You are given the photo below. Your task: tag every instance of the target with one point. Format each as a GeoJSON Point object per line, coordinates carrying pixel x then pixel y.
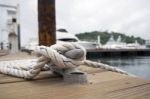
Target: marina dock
{"type": "Point", "coordinates": [101, 84]}
{"type": "Point", "coordinates": [98, 53]}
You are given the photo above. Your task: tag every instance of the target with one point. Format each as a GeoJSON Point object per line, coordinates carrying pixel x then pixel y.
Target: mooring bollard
{"type": "Point", "coordinates": [72, 75]}
{"type": "Point", "coordinates": [75, 77]}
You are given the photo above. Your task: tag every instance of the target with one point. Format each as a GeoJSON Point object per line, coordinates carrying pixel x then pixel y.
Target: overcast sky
{"type": "Point", "coordinates": [127, 16]}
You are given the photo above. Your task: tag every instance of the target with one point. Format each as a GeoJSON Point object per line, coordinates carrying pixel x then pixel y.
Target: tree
{"type": "Point", "coordinates": [105, 36]}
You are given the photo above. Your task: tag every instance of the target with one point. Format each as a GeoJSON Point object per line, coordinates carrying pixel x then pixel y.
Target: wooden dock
{"type": "Point", "coordinates": [102, 85]}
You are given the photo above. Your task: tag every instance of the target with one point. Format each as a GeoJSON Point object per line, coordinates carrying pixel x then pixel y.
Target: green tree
{"type": "Point", "coordinates": [105, 36]}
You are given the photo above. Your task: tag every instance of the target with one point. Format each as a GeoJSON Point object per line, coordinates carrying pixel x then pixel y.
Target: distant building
{"type": "Point", "coordinates": [10, 27]}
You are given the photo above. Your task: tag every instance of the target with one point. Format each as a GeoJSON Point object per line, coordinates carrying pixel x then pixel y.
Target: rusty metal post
{"type": "Point", "coordinates": [47, 23]}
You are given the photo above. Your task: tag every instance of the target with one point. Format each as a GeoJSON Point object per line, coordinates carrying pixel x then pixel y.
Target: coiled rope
{"type": "Point", "coordinates": [58, 56]}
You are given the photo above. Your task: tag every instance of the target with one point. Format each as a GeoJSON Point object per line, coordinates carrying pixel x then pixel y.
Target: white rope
{"type": "Point", "coordinates": [58, 56]}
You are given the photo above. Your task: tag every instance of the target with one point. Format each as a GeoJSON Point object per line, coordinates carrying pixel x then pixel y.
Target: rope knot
{"type": "Point", "coordinates": [64, 55]}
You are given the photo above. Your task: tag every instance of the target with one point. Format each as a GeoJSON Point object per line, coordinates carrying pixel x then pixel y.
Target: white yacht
{"type": "Point", "coordinates": [64, 36]}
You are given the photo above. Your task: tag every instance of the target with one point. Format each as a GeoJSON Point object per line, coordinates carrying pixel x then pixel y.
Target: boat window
{"type": "Point", "coordinates": [68, 40]}
{"type": "Point", "coordinates": [62, 30]}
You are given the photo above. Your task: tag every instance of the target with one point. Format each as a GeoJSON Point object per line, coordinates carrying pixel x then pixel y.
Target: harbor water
{"type": "Point", "coordinates": [137, 65]}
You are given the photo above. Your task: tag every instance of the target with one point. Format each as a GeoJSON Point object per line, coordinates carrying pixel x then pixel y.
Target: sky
{"type": "Point", "coordinates": [126, 16]}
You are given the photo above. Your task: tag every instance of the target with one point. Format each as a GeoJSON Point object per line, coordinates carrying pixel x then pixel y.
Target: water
{"type": "Point", "coordinates": [137, 65]}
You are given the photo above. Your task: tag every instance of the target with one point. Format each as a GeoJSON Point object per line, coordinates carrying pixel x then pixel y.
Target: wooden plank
{"type": "Point", "coordinates": [47, 24]}
{"type": "Point", "coordinates": [4, 79]}
{"type": "Point", "coordinates": [114, 88]}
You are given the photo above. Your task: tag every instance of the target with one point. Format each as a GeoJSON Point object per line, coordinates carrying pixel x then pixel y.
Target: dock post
{"type": "Point", "coordinates": [47, 23]}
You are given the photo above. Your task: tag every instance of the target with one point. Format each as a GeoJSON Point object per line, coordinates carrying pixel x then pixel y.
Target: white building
{"type": "Point", "coordinates": [9, 27]}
